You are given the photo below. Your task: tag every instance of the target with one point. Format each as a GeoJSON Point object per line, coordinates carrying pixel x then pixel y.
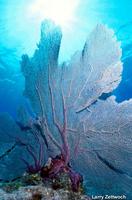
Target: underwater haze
{"type": "Point", "coordinates": [66, 94]}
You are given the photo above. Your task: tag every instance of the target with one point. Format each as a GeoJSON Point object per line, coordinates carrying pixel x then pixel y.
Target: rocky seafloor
{"type": "Point", "coordinates": [32, 187]}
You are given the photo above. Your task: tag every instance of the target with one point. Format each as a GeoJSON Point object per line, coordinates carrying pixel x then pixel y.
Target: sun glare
{"type": "Point", "coordinates": [61, 11]}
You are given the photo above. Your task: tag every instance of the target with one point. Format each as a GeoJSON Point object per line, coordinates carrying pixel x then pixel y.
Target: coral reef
{"type": "Point", "coordinates": [40, 192]}
{"type": "Point", "coordinates": [33, 187]}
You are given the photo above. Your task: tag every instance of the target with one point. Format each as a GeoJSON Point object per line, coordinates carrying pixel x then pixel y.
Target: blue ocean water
{"type": "Point", "coordinates": [20, 33]}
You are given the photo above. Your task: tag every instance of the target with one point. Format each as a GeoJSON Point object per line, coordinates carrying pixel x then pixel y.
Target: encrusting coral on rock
{"type": "Point", "coordinates": [40, 192]}
{"type": "Point", "coordinates": [34, 187]}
